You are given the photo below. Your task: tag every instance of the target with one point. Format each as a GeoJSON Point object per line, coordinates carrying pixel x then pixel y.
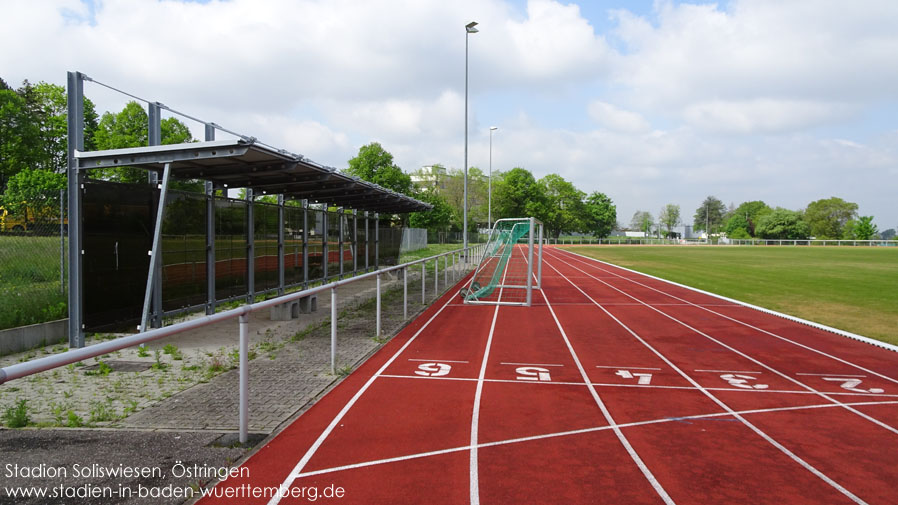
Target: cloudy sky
{"type": "Point", "coordinates": [649, 102]}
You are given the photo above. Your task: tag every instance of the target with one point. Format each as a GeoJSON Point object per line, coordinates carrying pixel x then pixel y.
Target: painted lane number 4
{"type": "Point", "coordinates": [641, 378]}
{"type": "Point", "coordinates": [851, 385]}
{"type": "Point", "coordinates": [433, 369]}
{"type": "Point", "coordinates": [741, 381]}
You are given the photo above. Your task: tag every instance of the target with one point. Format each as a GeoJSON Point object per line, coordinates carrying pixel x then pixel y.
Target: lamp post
{"type": "Point", "coordinates": [489, 181]}
{"type": "Point", "coordinates": [469, 29]}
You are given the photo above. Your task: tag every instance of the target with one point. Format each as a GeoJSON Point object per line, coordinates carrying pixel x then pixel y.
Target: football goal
{"type": "Point", "coordinates": [511, 265]}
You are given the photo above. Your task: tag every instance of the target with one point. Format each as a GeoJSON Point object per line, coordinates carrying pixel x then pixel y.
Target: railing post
{"type": "Point", "coordinates": [244, 377]}
{"type": "Point", "coordinates": [377, 317]}
{"type": "Point", "coordinates": [334, 330]}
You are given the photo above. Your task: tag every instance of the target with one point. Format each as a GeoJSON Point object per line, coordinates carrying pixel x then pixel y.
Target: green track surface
{"type": "Point", "coordinates": [850, 288]}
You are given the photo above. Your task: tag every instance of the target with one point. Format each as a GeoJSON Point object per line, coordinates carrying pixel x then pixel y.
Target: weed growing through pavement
{"type": "Point", "coordinates": [143, 351]}
{"type": "Point", "coordinates": [16, 416]}
{"type": "Point", "coordinates": [173, 351]}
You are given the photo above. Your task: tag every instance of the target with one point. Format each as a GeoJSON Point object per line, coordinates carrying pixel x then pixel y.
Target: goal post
{"type": "Point", "coordinates": [511, 265]}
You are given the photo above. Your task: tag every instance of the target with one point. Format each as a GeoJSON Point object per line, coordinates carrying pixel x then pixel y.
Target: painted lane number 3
{"type": "Point", "coordinates": [741, 381]}
{"type": "Point", "coordinates": [433, 369]}
{"type": "Point", "coordinates": [852, 385]}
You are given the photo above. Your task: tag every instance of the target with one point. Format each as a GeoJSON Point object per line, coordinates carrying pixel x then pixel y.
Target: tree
{"type": "Point", "coordinates": [783, 224]}
{"type": "Point", "coordinates": [746, 216]}
{"type": "Point", "coordinates": [561, 208]}
{"type": "Point", "coordinates": [600, 215]}
{"type": "Point", "coordinates": [864, 229]}
{"type": "Point", "coordinates": [670, 218]}
{"type": "Point", "coordinates": [709, 216]}
{"type": "Point", "coordinates": [17, 135]}
{"type": "Point", "coordinates": [889, 234]}
{"type": "Point", "coordinates": [642, 221]}
{"type": "Point", "coordinates": [517, 194]}
{"type": "Point", "coordinates": [437, 219]}
{"type": "Point", "coordinates": [36, 192]}
{"type": "Point", "coordinates": [827, 218]}
{"type": "Point", "coordinates": [452, 189]}
{"type": "Point", "coordinates": [375, 164]}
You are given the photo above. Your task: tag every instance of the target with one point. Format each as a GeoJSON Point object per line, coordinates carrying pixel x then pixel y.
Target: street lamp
{"type": "Point", "coordinates": [489, 219]}
{"type": "Point", "coordinates": [469, 29]}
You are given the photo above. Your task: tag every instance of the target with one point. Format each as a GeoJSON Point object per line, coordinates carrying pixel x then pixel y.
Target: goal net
{"type": "Point", "coordinates": [505, 274]}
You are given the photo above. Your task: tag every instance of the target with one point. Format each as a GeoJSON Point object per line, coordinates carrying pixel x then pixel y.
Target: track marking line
{"type": "Point", "coordinates": [726, 371]}
{"type": "Point", "coordinates": [830, 375]}
{"type": "Point", "coordinates": [746, 356]}
{"type": "Point", "coordinates": [288, 482]}
{"type": "Point", "coordinates": [719, 402]}
{"type": "Point", "coordinates": [628, 367]}
{"type": "Point", "coordinates": [437, 360]}
{"type": "Point", "coordinates": [529, 364]}
{"type": "Point", "coordinates": [582, 431]}
{"type": "Point", "coordinates": [646, 472]}
{"type": "Point", "coordinates": [739, 304]}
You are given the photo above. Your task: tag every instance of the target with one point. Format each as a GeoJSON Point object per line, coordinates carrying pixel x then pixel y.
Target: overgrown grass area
{"type": "Point", "coordinates": [29, 281]}
{"type": "Point", "coordinates": [853, 289]}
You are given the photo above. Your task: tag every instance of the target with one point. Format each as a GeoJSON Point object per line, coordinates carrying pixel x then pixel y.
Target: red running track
{"type": "Point", "coordinates": [612, 388]}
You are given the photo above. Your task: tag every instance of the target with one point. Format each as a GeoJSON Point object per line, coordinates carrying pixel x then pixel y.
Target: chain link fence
{"type": "Point", "coordinates": [33, 261]}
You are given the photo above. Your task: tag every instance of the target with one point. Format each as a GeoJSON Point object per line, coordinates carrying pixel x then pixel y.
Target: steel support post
{"type": "Point", "coordinates": [405, 293]}
{"type": "Point", "coordinates": [446, 271]}
{"type": "Point", "coordinates": [154, 138]}
{"type": "Point", "coordinates": [334, 331]}
{"type": "Point", "coordinates": [367, 239]}
{"type": "Point", "coordinates": [340, 238]}
{"type": "Point", "coordinates": [244, 378]}
{"type": "Point", "coordinates": [355, 242]}
{"type": "Point", "coordinates": [281, 249]}
{"type": "Point", "coordinates": [155, 256]}
{"type": "Point", "coordinates": [75, 126]}
{"type": "Point", "coordinates": [324, 248]}
{"type": "Point", "coordinates": [436, 276]}
{"type": "Point", "coordinates": [423, 280]}
{"type": "Point", "coordinates": [250, 248]}
{"type": "Point", "coordinates": [305, 244]}
{"type": "Point", "coordinates": [530, 263]}
{"type": "Point", "coordinates": [377, 317]}
{"type": "Point", "coordinates": [376, 240]}
{"type": "Point", "coordinates": [210, 248]}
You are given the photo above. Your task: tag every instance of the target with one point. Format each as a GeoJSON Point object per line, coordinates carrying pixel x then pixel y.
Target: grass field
{"type": "Point", "coordinates": [853, 289]}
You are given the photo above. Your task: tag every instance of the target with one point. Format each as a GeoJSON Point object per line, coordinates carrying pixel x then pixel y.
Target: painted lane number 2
{"type": "Point", "coordinates": [741, 381]}
{"type": "Point", "coordinates": [533, 373]}
{"type": "Point", "coordinates": [852, 385]}
{"type": "Point", "coordinates": [641, 378]}
{"type": "Point", "coordinates": [433, 369]}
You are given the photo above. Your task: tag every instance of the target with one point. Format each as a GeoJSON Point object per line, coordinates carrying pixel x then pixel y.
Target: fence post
{"type": "Point", "coordinates": [377, 327]}
{"type": "Point", "coordinates": [334, 330]}
{"type": "Point", "coordinates": [244, 377]}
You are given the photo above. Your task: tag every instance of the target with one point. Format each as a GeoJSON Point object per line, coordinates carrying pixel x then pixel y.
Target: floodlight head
{"type": "Point", "coordinates": [492, 128]}
{"type": "Point", "coordinates": [470, 27]}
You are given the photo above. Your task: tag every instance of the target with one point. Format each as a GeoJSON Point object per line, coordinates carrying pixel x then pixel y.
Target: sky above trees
{"type": "Point", "coordinates": [648, 102]}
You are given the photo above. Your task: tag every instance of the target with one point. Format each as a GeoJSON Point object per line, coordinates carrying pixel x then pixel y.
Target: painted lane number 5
{"type": "Point", "coordinates": [433, 369]}
{"type": "Point", "coordinates": [741, 381]}
{"type": "Point", "coordinates": [851, 385]}
{"type": "Point", "coordinates": [533, 373]}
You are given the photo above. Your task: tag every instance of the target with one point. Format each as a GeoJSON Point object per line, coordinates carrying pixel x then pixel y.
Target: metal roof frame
{"type": "Point", "coordinates": [245, 163]}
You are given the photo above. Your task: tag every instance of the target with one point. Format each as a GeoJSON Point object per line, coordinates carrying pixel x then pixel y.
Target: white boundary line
{"type": "Point", "coordinates": [723, 405]}
{"type": "Point", "coordinates": [805, 322]}
{"type": "Point", "coordinates": [297, 470]}
{"type": "Point", "coordinates": [746, 356]}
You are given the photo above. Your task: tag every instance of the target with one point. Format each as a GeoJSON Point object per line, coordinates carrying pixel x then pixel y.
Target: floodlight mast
{"type": "Point", "coordinates": [469, 29]}
{"type": "Point", "coordinates": [489, 180]}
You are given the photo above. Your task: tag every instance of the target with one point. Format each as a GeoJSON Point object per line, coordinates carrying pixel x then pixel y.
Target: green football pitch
{"type": "Point", "coordinates": [850, 288]}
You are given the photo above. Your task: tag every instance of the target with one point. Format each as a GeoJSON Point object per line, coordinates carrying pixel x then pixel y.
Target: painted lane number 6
{"type": "Point", "coordinates": [641, 378]}
{"type": "Point", "coordinates": [851, 385]}
{"type": "Point", "coordinates": [741, 381]}
{"type": "Point", "coordinates": [433, 369]}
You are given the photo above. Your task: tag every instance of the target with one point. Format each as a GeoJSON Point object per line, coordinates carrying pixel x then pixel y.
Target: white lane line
{"type": "Point", "coordinates": [740, 322]}
{"type": "Point", "coordinates": [727, 371]}
{"type": "Point", "coordinates": [437, 360]}
{"type": "Point", "coordinates": [285, 486]}
{"type": "Point", "coordinates": [662, 493]}
{"type": "Point", "coordinates": [627, 367]}
{"type": "Point", "coordinates": [830, 375]}
{"type": "Point", "coordinates": [529, 364]}
{"type": "Point", "coordinates": [716, 400]}
{"type": "Point", "coordinates": [746, 356]}
{"type": "Point", "coordinates": [696, 417]}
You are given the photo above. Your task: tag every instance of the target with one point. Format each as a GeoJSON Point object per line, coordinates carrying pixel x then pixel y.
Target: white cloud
{"type": "Point", "coordinates": [762, 115]}
{"type": "Point", "coordinates": [617, 119]}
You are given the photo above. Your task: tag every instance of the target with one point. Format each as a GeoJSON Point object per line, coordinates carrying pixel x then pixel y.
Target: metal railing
{"type": "Point", "coordinates": [458, 262]}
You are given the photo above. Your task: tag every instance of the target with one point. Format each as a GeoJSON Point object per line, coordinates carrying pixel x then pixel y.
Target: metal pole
{"type": "Point", "coordinates": [305, 243]}
{"type": "Point", "coordinates": [446, 270]}
{"type": "Point", "coordinates": [405, 293]}
{"type": "Point", "coordinates": [154, 253]}
{"type": "Point", "coordinates": [377, 327]}
{"type": "Point", "coordinates": [423, 280]}
{"type": "Point", "coordinates": [61, 242]}
{"type": "Point", "coordinates": [530, 264]}
{"type": "Point", "coordinates": [324, 248]}
{"type": "Point", "coordinates": [436, 275]}
{"type": "Point", "coordinates": [75, 127]}
{"type": "Point", "coordinates": [334, 330]}
{"type": "Point", "coordinates": [340, 230]}
{"type": "Point", "coordinates": [250, 248]}
{"type": "Point", "coordinates": [244, 377]}
{"type": "Point", "coordinates": [469, 28]}
{"type": "Point", "coordinates": [154, 138]}
{"type": "Point", "coordinates": [539, 265]}
{"type": "Point", "coordinates": [281, 265]}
